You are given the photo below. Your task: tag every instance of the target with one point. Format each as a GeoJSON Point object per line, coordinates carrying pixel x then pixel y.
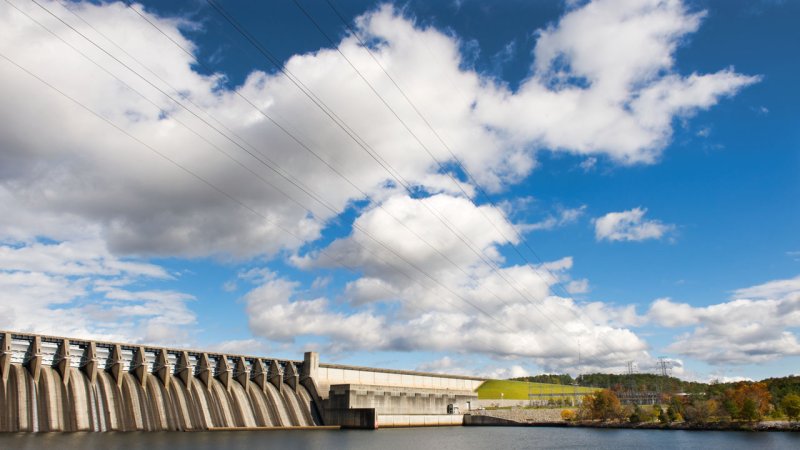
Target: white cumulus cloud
{"type": "Point", "coordinates": [755, 326]}
{"type": "Point", "coordinates": [629, 225]}
{"type": "Point", "coordinates": [81, 289]}
{"type": "Point", "coordinates": [602, 81]}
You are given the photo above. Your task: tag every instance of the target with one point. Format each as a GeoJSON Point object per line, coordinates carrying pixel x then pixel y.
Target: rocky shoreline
{"type": "Point", "coordinates": [551, 418]}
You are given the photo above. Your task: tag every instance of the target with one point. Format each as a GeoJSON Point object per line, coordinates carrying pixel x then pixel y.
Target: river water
{"type": "Point", "coordinates": [455, 438]}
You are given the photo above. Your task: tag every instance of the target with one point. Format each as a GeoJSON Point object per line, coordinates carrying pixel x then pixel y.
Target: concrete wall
{"type": "Point", "coordinates": [473, 420]}
{"type": "Point", "coordinates": [498, 403]}
{"type": "Point", "coordinates": [420, 420]}
{"type": "Point", "coordinates": [387, 400]}
{"type": "Point", "coordinates": [331, 374]}
{"type": "Point", "coordinates": [393, 406]}
{"type": "Point", "coordinates": [358, 418]}
{"type": "Point", "coordinates": [537, 415]}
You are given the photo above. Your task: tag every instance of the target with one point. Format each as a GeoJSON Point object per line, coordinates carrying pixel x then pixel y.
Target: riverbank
{"type": "Point", "coordinates": [552, 418]}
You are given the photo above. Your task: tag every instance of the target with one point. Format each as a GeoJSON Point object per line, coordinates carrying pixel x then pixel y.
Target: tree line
{"type": "Point", "coordinates": [681, 400]}
{"type": "Point", "coordinates": [736, 402]}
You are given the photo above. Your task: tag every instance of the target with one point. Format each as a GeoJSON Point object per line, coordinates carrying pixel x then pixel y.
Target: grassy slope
{"type": "Point", "coordinates": [519, 390]}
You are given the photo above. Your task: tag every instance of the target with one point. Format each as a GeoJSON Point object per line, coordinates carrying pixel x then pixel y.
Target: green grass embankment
{"type": "Point", "coordinates": [519, 390]}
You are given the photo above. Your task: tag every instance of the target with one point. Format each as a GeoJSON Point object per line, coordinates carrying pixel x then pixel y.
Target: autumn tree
{"type": "Point", "coordinates": [701, 411]}
{"type": "Point", "coordinates": [748, 401]}
{"type": "Point", "coordinates": [603, 405]}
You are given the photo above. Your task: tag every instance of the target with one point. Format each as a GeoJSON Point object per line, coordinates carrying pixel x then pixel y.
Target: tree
{"type": "Point", "coordinates": [673, 413]}
{"type": "Point", "coordinates": [663, 416]}
{"type": "Point", "coordinates": [603, 405]}
{"type": "Point", "coordinates": [676, 409]}
{"type": "Point", "coordinates": [749, 410]}
{"type": "Point", "coordinates": [651, 413]}
{"type": "Point", "coordinates": [791, 406]}
{"type": "Point", "coordinates": [701, 411]}
{"type": "Point", "coordinates": [748, 401]}
{"type": "Point", "coordinates": [636, 417]}
{"type": "Point", "coordinates": [730, 406]}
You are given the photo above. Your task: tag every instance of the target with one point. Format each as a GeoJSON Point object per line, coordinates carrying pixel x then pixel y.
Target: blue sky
{"type": "Point", "coordinates": [647, 151]}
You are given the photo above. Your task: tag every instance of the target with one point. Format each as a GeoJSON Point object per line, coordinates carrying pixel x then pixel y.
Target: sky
{"type": "Point", "coordinates": [492, 189]}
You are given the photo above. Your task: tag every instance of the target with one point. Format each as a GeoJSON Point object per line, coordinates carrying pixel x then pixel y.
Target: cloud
{"type": "Point", "coordinates": [386, 240]}
{"type": "Point", "coordinates": [588, 164]}
{"type": "Point", "coordinates": [80, 289]}
{"type": "Point", "coordinates": [601, 82]}
{"type": "Point", "coordinates": [272, 315]}
{"type": "Point", "coordinates": [242, 347]}
{"type": "Point", "coordinates": [772, 289]}
{"type": "Point", "coordinates": [506, 311]}
{"type": "Point", "coordinates": [279, 312]}
{"type": "Point", "coordinates": [578, 286]}
{"type": "Point", "coordinates": [629, 226]}
{"type": "Point", "coordinates": [565, 216]}
{"type": "Point", "coordinates": [471, 367]}
{"type": "Point", "coordinates": [755, 326]}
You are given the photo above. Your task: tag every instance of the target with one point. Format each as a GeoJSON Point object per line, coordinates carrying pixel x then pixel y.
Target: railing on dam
{"type": "Point", "coordinates": [50, 383]}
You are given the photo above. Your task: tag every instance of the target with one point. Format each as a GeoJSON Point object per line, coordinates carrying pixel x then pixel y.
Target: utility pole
{"type": "Point", "coordinates": [580, 373]}
{"type": "Point", "coordinates": [530, 394]}
{"type": "Point", "coordinates": [664, 367]}
{"type": "Point", "coordinates": [631, 382]}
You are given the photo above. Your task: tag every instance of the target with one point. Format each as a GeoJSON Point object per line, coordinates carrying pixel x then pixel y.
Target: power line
{"type": "Point", "coordinates": [369, 235]}
{"type": "Point", "coordinates": [278, 166]}
{"type": "Point", "coordinates": [454, 157]}
{"type": "Point", "coordinates": [365, 194]}
{"type": "Point", "coordinates": [321, 105]}
{"type": "Point", "coordinates": [425, 148]}
{"type": "Point", "coordinates": [361, 143]}
{"type": "Point", "coordinates": [173, 161]}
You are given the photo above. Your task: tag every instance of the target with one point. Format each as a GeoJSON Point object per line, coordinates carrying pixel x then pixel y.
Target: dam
{"type": "Point", "coordinates": [50, 383]}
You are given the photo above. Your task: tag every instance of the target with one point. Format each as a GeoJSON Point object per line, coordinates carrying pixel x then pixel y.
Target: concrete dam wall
{"type": "Point", "coordinates": [57, 384]}
{"type": "Point", "coordinates": [50, 383]}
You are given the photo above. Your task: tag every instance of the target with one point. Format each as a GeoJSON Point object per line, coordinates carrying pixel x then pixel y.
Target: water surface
{"type": "Point", "coordinates": [455, 438]}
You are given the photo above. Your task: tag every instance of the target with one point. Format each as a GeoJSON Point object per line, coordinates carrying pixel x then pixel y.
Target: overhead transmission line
{"type": "Point", "coordinates": [332, 115]}
{"type": "Point", "coordinates": [335, 211]}
{"type": "Point", "coordinates": [348, 130]}
{"type": "Point", "coordinates": [175, 163]}
{"type": "Point", "coordinates": [419, 113]}
{"type": "Point", "coordinates": [389, 249]}
{"type": "Point", "coordinates": [519, 236]}
{"type": "Point", "coordinates": [332, 168]}
{"type": "Point", "coordinates": [369, 235]}
{"type": "Point", "coordinates": [366, 195]}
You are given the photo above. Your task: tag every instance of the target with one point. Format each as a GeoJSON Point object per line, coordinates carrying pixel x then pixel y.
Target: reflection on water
{"type": "Point", "coordinates": [455, 438]}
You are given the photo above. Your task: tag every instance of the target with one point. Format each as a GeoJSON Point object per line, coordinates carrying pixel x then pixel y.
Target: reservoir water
{"type": "Point", "coordinates": [455, 438]}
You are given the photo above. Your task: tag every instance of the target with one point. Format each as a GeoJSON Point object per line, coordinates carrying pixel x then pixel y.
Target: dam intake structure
{"type": "Point", "coordinates": [58, 384]}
